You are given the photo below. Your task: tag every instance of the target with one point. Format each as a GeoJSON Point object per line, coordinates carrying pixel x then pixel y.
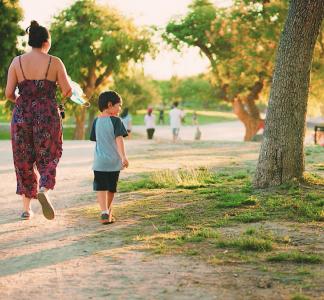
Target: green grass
{"type": "Point", "coordinates": [204, 117]}
{"type": "Point", "coordinates": [217, 216]}
{"type": "Point", "coordinates": [247, 244]}
{"type": "Point", "coordinates": [296, 257]}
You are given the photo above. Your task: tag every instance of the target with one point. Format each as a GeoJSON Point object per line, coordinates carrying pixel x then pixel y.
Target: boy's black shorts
{"type": "Point", "coordinates": [105, 181]}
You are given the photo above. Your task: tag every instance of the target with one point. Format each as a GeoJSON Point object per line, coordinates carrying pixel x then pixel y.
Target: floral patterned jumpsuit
{"type": "Point", "coordinates": [36, 134]}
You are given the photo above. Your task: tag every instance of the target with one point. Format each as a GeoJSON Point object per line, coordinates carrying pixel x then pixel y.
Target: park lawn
{"type": "Point", "coordinates": [216, 216]}
{"type": "Point", "coordinates": [204, 117]}
{"type": "Point", "coordinates": [67, 133]}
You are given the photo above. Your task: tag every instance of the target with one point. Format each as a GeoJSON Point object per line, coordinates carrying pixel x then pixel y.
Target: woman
{"type": "Point", "coordinates": [36, 131]}
{"type": "Point", "coordinates": [149, 121]}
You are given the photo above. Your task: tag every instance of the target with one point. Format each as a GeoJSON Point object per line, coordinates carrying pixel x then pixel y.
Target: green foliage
{"type": "Point", "coordinates": [195, 91]}
{"type": "Point", "coordinates": [136, 89]}
{"type": "Point", "coordinates": [239, 41]}
{"type": "Point", "coordinates": [95, 41]}
{"type": "Point", "coordinates": [11, 15]}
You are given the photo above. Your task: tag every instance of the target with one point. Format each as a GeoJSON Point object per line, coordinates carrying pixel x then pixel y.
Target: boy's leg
{"type": "Point", "coordinates": [110, 198]}
{"type": "Point", "coordinates": [102, 200]}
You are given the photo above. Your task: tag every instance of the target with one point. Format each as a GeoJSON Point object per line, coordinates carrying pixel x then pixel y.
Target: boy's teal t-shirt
{"type": "Point", "coordinates": [104, 132]}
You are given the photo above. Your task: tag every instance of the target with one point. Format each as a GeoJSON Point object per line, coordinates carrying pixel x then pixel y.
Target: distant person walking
{"type": "Point", "coordinates": [36, 129]}
{"type": "Point", "coordinates": [149, 121]}
{"type": "Point", "coordinates": [176, 117]}
{"type": "Point", "coordinates": [127, 120]}
{"type": "Point", "coordinates": [110, 157]}
{"type": "Point", "coordinates": [161, 114]}
{"type": "Point", "coordinates": [195, 122]}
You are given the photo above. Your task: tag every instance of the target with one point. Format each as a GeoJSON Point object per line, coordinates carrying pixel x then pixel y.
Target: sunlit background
{"type": "Point", "coordinates": [168, 62]}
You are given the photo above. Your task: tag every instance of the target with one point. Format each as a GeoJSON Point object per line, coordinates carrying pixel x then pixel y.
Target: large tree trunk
{"type": "Point", "coordinates": [282, 155]}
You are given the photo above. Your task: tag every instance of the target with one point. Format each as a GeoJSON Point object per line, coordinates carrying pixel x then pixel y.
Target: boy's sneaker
{"type": "Point", "coordinates": [47, 208]}
{"type": "Point", "coordinates": [104, 219]}
{"type": "Point", "coordinates": [27, 215]}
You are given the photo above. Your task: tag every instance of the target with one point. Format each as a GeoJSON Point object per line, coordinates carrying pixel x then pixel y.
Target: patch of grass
{"type": "Point", "coordinates": [299, 297]}
{"type": "Point", "coordinates": [247, 244]}
{"type": "Point", "coordinates": [4, 134]}
{"type": "Point", "coordinates": [296, 257]}
{"type": "Point", "coordinates": [250, 217]}
{"type": "Point", "coordinates": [204, 117]}
{"type": "Point", "coordinates": [145, 182]}
{"type": "Point", "coordinates": [175, 217]}
{"type": "Point", "coordinates": [199, 235]}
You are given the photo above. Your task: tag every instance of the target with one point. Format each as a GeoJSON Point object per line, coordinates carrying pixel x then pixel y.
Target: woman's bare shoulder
{"type": "Point", "coordinates": [56, 60]}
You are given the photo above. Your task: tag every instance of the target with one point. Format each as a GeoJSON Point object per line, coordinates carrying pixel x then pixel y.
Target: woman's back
{"type": "Point", "coordinates": [36, 66]}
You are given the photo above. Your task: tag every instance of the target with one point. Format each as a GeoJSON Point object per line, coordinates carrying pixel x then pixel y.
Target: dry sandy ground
{"type": "Point", "coordinates": [64, 259]}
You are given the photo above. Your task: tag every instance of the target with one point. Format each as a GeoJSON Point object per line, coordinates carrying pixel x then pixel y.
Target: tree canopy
{"type": "Point", "coordinates": [96, 42]}
{"type": "Point", "coordinates": [240, 44]}
{"type": "Point", "coordinates": [137, 90]}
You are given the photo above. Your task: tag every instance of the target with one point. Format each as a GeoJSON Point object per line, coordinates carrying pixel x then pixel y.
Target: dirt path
{"type": "Point", "coordinates": [76, 258]}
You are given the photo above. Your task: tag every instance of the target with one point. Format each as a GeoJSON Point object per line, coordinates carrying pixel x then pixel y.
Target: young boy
{"type": "Point", "coordinates": [109, 155]}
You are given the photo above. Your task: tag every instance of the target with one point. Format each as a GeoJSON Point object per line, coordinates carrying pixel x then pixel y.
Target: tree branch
{"type": "Point", "coordinates": [105, 74]}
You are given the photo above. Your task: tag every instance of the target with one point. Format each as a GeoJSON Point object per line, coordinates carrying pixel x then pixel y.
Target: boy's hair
{"type": "Point", "coordinates": [175, 104]}
{"type": "Point", "coordinates": [106, 97]}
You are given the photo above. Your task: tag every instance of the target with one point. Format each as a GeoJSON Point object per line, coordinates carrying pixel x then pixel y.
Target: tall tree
{"type": "Point", "coordinates": [11, 15]}
{"type": "Point", "coordinates": [282, 152]}
{"type": "Point", "coordinates": [137, 90]}
{"type": "Point", "coordinates": [240, 44]}
{"type": "Point", "coordinates": [95, 42]}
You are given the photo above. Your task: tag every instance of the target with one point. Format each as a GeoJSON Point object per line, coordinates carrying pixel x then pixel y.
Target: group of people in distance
{"type": "Point", "coordinates": [36, 128]}
{"type": "Point", "coordinates": [176, 118]}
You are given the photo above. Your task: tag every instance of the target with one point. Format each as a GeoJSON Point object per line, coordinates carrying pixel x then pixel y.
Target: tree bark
{"type": "Point", "coordinates": [251, 123]}
{"type": "Point", "coordinates": [80, 116]}
{"type": "Point", "coordinates": [80, 113]}
{"type": "Point", "coordinates": [248, 112]}
{"type": "Point", "coordinates": [282, 155]}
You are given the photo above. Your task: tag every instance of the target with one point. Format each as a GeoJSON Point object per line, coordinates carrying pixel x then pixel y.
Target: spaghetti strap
{"type": "Point", "coordinates": [22, 71]}
{"type": "Point", "coordinates": [49, 63]}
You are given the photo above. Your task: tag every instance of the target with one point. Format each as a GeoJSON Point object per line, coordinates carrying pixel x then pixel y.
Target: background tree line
{"type": "Point", "coordinates": [100, 49]}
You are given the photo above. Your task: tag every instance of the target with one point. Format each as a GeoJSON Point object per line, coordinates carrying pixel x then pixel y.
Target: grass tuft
{"type": "Point", "coordinates": [296, 257]}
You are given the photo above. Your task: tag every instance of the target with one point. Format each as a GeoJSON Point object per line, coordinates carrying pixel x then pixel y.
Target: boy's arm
{"type": "Point", "coordinates": [121, 151]}
{"type": "Point", "coordinates": [93, 131]}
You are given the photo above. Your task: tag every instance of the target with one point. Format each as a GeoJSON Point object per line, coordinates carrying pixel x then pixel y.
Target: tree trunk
{"type": "Point", "coordinates": [247, 111]}
{"type": "Point", "coordinates": [80, 117]}
{"type": "Point", "coordinates": [80, 112]}
{"type": "Point", "coordinates": [91, 116]}
{"type": "Point", "coordinates": [282, 155]}
{"type": "Point", "coordinates": [251, 123]}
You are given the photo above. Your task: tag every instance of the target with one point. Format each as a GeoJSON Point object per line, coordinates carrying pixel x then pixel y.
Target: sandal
{"type": "Point", "coordinates": [27, 215]}
{"type": "Point", "coordinates": [47, 208]}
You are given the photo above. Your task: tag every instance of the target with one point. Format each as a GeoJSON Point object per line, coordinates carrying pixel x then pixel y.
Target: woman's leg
{"type": "Point", "coordinates": [26, 203]}
{"type": "Point", "coordinates": [47, 135]}
{"type": "Point", "coordinates": [24, 157]}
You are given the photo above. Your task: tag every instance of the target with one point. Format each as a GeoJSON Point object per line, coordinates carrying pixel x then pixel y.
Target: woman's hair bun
{"type": "Point", "coordinates": [37, 34]}
{"type": "Point", "coordinates": [34, 23]}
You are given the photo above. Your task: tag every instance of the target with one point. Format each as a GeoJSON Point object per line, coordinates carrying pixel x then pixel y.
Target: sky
{"type": "Point", "coordinates": [168, 62]}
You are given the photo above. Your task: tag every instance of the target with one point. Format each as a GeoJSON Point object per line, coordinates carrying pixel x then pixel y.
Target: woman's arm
{"type": "Point", "coordinates": [121, 151]}
{"type": "Point", "coordinates": [62, 80]}
{"type": "Point", "coordinates": [11, 83]}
